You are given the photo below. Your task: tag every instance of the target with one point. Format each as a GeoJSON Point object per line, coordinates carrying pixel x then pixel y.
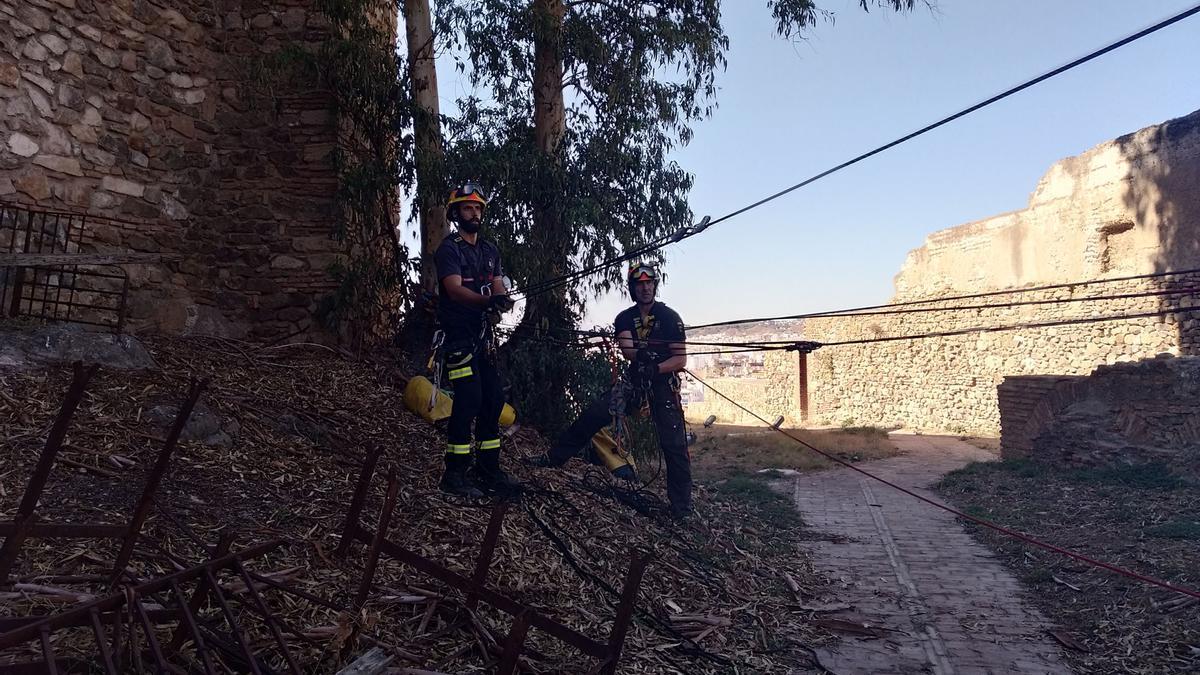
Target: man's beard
{"type": "Point", "coordinates": [469, 226]}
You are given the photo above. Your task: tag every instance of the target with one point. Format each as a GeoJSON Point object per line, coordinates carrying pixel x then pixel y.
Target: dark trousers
{"type": "Point", "coordinates": [478, 394]}
{"type": "Point", "coordinates": [668, 423]}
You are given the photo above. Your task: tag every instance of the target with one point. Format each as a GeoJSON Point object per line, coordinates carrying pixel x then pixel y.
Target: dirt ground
{"type": "Point", "coordinates": [288, 428]}
{"type": "Point", "coordinates": [724, 450]}
{"type": "Point", "coordinates": [1143, 518]}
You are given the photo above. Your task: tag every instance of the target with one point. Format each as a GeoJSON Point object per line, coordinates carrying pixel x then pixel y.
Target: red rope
{"type": "Point", "coordinates": [979, 521]}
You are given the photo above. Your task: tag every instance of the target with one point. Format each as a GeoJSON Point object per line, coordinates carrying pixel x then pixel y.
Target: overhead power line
{"type": "Point", "coordinates": [899, 307]}
{"type": "Point", "coordinates": [693, 230]}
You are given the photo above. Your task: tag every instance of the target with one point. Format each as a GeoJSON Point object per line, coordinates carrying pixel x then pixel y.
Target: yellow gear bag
{"type": "Point", "coordinates": [606, 449]}
{"type": "Point", "coordinates": [416, 398]}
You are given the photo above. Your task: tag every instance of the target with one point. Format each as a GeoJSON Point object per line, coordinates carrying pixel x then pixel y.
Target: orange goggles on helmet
{"type": "Point", "coordinates": [469, 192]}
{"type": "Point", "coordinates": [642, 272]}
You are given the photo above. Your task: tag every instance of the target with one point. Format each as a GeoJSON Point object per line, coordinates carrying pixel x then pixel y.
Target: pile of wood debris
{"type": "Point", "coordinates": [727, 592]}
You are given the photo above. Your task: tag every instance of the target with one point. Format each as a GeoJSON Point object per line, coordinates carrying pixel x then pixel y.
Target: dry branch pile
{"type": "Point", "coordinates": [285, 434]}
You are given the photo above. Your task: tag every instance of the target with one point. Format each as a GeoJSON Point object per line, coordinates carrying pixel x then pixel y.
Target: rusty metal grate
{"type": "Point", "coordinates": [56, 287]}
{"type": "Point", "coordinates": [127, 627]}
{"type": "Point", "coordinates": [607, 652]}
{"type": "Point", "coordinates": [25, 525]}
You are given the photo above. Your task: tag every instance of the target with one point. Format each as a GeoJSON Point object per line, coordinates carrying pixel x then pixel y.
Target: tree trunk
{"type": "Point", "coordinates": [549, 126]}
{"type": "Point", "coordinates": [430, 159]}
{"type": "Point", "coordinates": [414, 338]}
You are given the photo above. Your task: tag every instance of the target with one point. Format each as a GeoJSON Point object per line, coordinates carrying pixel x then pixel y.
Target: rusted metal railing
{"type": "Point", "coordinates": [25, 524]}
{"type": "Point", "coordinates": [475, 587]}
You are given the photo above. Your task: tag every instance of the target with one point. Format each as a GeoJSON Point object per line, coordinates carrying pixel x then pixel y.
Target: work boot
{"type": "Point", "coordinates": [454, 480]}
{"type": "Point", "coordinates": [489, 476]}
{"type": "Point", "coordinates": [681, 514]}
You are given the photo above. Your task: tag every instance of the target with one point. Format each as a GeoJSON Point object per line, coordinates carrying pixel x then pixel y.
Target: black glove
{"type": "Point", "coordinates": [644, 368]}
{"type": "Point", "coordinates": [500, 303]}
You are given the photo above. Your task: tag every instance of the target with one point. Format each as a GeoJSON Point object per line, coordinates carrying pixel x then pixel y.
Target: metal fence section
{"type": "Point", "coordinates": [47, 273]}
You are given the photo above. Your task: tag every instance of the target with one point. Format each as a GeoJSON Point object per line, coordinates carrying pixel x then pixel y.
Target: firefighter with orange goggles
{"type": "Point", "coordinates": [471, 286]}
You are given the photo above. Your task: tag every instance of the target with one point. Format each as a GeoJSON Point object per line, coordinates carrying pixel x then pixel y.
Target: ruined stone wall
{"type": "Point", "coordinates": [140, 110]}
{"type": "Point", "coordinates": [1131, 413]}
{"type": "Point", "coordinates": [1127, 207]}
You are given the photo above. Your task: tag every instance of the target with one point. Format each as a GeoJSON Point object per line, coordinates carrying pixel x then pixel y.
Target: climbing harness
{"type": "Point", "coordinates": [435, 365]}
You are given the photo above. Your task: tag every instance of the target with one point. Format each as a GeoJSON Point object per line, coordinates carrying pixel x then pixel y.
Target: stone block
{"type": "Point", "coordinates": [10, 76]}
{"type": "Point", "coordinates": [159, 53]}
{"type": "Point", "coordinates": [174, 209]}
{"type": "Point", "coordinates": [73, 64]}
{"type": "Point", "coordinates": [287, 262]}
{"type": "Point", "coordinates": [294, 18]}
{"type": "Point", "coordinates": [174, 19]}
{"type": "Point", "coordinates": [82, 133]}
{"type": "Point", "coordinates": [43, 83]}
{"type": "Point", "coordinates": [191, 96]}
{"type": "Point", "coordinates": [71, 97]}
{"type": "Point", "coordinates": [33, 184]}
{"type": "Point", "coordinates": [67, 165]}
{"type": "Point", "coordinates": [35, 50]}
{"type": "Point", "coordinates": [106, 56]}
{"type": "Point", "coordinates": [32, 18]}
{"type": "Point", "coordinates": [90, 32]}
{"type": "Point", "coordinates": [54, 43]}
{"type": "Point", "coordinates": [6, 186]}
{"type": "Point", "coordinates": [122, 186]}
{"type": "Point", "coordinates": [22, 145]}
{"type": "Point", "coordinates": [99, 157]}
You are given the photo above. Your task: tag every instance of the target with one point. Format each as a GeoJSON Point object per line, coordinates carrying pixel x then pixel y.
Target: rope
{"type": "Point", "coordinates": [1022, 326]}
{"type": "Point", "coordinates": [978, 521]}
{"type": "Point", "coordinates": [793, 345]}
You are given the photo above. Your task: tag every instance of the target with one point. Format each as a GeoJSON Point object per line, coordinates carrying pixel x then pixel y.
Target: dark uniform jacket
{"type": "Point", "coordinates": [661, 327]}
{"type": "Point", "coordinates": [478, 265]}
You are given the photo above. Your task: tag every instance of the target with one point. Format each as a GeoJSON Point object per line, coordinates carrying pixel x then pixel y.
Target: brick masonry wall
{"type": "Point", "coordinates": [139, 110]}
{"type": "Point", "coordinates": [1019, 396]}
{"type": "Point", "coordinates": [1148, 411]}
{"type": "Point", "coordinates": [1127, 207]}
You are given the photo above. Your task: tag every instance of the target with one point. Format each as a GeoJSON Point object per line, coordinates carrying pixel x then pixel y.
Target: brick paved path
{"type": "Point", "coordinates": [907, 566]}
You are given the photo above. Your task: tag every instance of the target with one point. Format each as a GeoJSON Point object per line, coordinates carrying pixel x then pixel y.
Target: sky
{"type": "Point", "coordinates": [790, 109]}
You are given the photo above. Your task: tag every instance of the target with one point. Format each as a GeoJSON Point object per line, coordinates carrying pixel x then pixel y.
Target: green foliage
{"type": "Point", "coordinates": [588, 375]}
{"type": "Point", "coordinates": [531, 362]}
{"type": "Point", "coordinates": [866, 431]}
{"type": "Point", "coordinates": [633, 82]}
{"type": "Point", "coordinates": [358, 67]}
{"type": "Point", "coordinates": [792, 17]}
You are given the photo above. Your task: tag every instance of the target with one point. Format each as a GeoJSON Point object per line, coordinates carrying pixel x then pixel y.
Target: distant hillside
{"type": "Point", "coordinates": [751, 332]}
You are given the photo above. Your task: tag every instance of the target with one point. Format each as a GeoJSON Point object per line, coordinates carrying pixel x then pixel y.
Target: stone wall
{"type": "Point", "coordinates": [1129, 413]}
{"type": "Point", "coordinates": [139, 110]}
{"type": "Point", "coordinates": [747, 391]}
{"type": "Point", "coordinates": [1127, 207]}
